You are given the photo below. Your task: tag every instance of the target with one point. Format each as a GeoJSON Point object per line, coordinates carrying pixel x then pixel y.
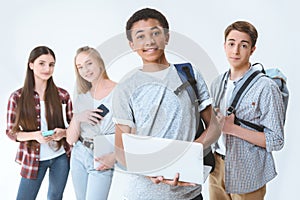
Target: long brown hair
{"type": "Point", "coordinates": [26, 112]}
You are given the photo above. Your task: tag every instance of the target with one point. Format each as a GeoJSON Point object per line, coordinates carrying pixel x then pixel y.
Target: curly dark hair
{"type": "Point", "coordinates": [145, 14]}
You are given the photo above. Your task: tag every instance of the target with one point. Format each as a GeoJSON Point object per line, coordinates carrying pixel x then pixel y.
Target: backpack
{"type": "Point", "coordinates": [277, 76]}
{"type": "Point", "coordinates": [186, 74]}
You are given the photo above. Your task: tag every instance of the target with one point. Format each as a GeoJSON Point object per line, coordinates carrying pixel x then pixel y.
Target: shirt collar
{"type": "Point", "coordinates": [244, 77]}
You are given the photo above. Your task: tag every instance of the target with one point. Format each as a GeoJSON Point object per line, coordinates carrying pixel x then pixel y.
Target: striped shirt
{"type": "Point", "coordinates": [249, 167]}
{"type": "Point", "coordinates": [29, 157]}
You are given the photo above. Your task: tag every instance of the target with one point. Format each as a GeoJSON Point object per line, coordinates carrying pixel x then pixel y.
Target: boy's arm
{"type": "Point", "coordinates": [272, 119]}
{"type": "Point", "coordinates": [119, 148]}
{"type": "Point", "coordinates": [213, 129]}
{"type": "Point", "coordinates": [254, 137]}
{"type": "Point", "coordinates": [212, 133]}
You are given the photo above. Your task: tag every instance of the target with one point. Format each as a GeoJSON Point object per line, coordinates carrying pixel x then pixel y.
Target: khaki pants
{"type": "Point", "coordinates": [217, 185]}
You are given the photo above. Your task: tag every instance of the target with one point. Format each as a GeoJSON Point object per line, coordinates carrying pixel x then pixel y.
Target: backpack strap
{"type": "Point", "coordinates": [254, 126]}
{"type": "Point", "coordinates": [187, 76]}
{"type": "Point", "coordinates": [236, 99]}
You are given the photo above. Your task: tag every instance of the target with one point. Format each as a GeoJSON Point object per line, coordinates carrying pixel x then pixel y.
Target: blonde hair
{"type": "Point", "coordinates": [83, 85]}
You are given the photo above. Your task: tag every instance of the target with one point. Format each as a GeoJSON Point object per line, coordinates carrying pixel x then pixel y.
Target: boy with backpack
{"type": "Point", "coordinates": [243, 155]}
{"type": "Point", "coordinates": [145, 103]}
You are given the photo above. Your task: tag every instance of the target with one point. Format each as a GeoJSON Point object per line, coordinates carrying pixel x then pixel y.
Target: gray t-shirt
{"type": "Point", "coordinates": [149, 104]}
{"type": "Point", "coordinates": [87, 102]}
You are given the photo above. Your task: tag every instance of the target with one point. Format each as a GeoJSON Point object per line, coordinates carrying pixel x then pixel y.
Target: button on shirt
{"type": "Point", "coordinates": [28, 157]}
{"type": "Point", "coordinates": [249, 167]}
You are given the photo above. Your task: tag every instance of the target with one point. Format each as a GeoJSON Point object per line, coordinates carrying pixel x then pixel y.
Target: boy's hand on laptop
{"type": "Point", "coordinates": [174, 182]}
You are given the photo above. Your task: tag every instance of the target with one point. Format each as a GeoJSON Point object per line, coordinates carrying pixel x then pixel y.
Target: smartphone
{"type": "Point", "coordinates": [48, 133]}
{"type": "Point", "coordinates": [104, 109]}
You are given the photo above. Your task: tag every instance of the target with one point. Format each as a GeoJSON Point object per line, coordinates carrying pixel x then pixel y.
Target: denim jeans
{"type": "Point", "coordinates": [88, 183]}
{"type": "Point", "coordinates": [58, 174]}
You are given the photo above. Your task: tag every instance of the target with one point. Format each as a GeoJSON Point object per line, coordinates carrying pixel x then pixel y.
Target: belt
{"type": "Point", "coordinates": [87, 142]}
{"type": "Point", "coordinates": [220, 155]}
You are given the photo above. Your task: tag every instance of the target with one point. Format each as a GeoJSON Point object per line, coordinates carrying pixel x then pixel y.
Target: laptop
{"type": "Point", "coordinates": [103, 144]}
{"type": "Point", "coordinates": [152, 156]}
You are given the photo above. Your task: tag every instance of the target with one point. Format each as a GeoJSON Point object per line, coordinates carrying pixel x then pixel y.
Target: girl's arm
{"type": "Point", "coordinates": [33, 135]}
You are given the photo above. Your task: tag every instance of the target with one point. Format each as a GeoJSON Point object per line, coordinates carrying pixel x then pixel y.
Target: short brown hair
{"type": "Point", "coordinates": [244, 27]}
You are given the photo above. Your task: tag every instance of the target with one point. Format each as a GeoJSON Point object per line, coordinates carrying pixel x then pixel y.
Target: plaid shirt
{"type": "Point", "coordinates": [29, 158]}
{"type": "Point", "coordinates": [249, 167]}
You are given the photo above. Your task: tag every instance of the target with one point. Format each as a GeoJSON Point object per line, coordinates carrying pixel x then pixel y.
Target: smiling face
{"type": "Point", "coordinates": [238, 49]}
{"type": "Point", "coordinates": [149, 41]}
{"type": "Point", "coordinates": [42, 67]}
{"type": "Point", "coordinates": [87, 67]}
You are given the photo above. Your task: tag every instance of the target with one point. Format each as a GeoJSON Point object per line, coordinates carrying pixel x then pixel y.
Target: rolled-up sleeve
{"type": "Point", "coordinates": [122, 109]}
{"type": "Point", "coordinates": [272, 118]}
{"type": "Point", "coordinates": [66, 99]}
{"type": "Point", "coordinates": [203, 92]}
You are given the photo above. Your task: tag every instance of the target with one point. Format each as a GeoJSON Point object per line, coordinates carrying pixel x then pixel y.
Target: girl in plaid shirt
{"type": "Point", "coordinates": [33, 109]}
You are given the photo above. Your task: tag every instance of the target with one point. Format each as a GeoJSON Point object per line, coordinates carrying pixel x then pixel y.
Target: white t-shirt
{"type": "Point", "coordinates": [223, 107]}
{"type": "Point", "coordinates": [46, 152]}
{"type": "Point", "coordinates": [159, 74]}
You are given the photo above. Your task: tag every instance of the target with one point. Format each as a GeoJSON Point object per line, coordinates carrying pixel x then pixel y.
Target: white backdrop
{"type": "Point", "coordinates": [66, 25]}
